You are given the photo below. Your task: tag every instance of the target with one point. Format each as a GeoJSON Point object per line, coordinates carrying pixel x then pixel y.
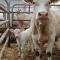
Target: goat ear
{"type": "Point", "coordinates": [53, 1]}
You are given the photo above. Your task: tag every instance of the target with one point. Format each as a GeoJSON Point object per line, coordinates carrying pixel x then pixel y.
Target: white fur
{"type": "Point", "coordinates": [54, 28]}
{"type": "Point", "coordinates": [22, 38]}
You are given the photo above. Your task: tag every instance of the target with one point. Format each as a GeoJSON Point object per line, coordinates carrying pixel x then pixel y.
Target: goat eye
{"type": "Point", "coordinates": [33, 2]}
{"type": "Point", "coordinates": [49, 2]}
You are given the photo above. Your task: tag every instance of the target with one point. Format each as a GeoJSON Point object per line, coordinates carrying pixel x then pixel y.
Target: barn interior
{"type": "Point", "coordinates": [16, 14]}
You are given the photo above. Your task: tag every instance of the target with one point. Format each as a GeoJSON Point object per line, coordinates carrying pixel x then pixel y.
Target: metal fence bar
{"type": "Point", "coordinates": [4, 35]}
{"type": "Point", "coordinates": [21, 20]}
{"type": "Point", "coordinates": [3, 22]}
{"type": "Point", "coordinates": [4, 46]}
{"type": "Point", "coordinates": [2, 7]}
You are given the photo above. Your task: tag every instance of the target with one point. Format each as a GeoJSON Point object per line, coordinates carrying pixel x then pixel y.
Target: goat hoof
{"type": "Point", "coordinates": [48, 54]}
{"type": "Point", "coordinates": [37, 53]}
